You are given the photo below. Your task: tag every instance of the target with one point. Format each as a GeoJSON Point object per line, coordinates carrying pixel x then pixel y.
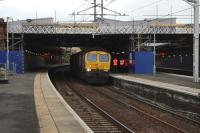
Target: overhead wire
{"type": "Point", "coordinates": [142, 7]}
{"type": "Point", "coordinates": [86, 11]}
{"type": "Point", "coordinates": [87, 1]}
{"type": "Point", "coordinates": [169, 14]}
{"type": "Point", "coordinates": [164, 16]}
{"type": "Point", "coordinates": [147, 5]}
{"type": "Point", "coordinates": [104, 6]}
{"type": "Point", "coordinates": [110, 3]}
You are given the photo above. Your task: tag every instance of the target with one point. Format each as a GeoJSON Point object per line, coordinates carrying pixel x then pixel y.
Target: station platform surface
{"type": "Point", "coordinates": [17, 106]}
{"type": "Point", "coordinates": [31, 104]}
{"type": "Point", "coordinates": [179, 83]}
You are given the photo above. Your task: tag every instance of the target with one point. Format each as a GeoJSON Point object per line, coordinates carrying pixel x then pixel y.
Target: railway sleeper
{"type": "Point", "coordinates": [103, 127]}
{"type": "Point", "coordinates": [93, 121]}
{"type": "Point", "coordinates": [107, 131]}
{"type": "Point", "coordinates": [94, 117]}
{"type": "Point", "coordinates": [99, 124]}
{"type": "Point", "coordinates": [97, 121]}
{"type": "Point", "coordinates": [90, 115]}
{"type": "Point", "coordinates": [102, 123]}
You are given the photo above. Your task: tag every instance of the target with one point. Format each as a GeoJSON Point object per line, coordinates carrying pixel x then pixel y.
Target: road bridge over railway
{"type": "Point", "coordinates": [63, 33]}
{"type": "Point", "coordinates": [95, 28]}
{"type": "Point", "coordinates": [36, 35]}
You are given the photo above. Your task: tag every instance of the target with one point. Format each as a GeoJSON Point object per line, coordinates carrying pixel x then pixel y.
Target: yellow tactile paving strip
{"type": "Point", "coordinates": [53, 115]}
{"type": "Point", "coordinates": [46, 122]}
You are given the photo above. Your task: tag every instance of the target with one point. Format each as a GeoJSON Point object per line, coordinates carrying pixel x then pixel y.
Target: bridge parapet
{"type": "Point", "coordinates": [58, 29]}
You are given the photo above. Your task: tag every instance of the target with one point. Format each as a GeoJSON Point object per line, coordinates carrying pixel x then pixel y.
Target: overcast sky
{"type": "Point", "coordinates": [137, 9]}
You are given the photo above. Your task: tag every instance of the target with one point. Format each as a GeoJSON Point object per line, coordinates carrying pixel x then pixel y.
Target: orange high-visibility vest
{"type": "Point", "coordinates": [115, 62]}
{"type": "Point", "coordinates": [121, 62]}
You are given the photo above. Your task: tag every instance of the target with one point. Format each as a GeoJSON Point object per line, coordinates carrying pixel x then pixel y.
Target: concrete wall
{"type": "Point", "coordinates": [160, 96]}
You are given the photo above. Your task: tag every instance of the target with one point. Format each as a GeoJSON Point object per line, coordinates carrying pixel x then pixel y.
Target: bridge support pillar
{"type": "Point", "coordinates": [196, 42]}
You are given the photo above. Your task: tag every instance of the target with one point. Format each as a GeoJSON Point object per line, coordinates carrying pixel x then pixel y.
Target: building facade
{"type": "Point", "coordinates": [2, 34]}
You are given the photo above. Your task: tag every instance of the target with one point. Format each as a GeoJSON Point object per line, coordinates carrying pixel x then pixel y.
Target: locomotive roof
{"type": "Point", "coordinates": [91, 49]}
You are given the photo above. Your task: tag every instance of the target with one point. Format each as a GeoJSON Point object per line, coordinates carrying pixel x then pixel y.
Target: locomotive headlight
{"type": "Point", "coordinates": [88, 70]}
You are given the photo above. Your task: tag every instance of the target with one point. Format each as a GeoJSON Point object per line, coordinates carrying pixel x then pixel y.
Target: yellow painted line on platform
{"type": "Point", "coordinates": [54, 114]}
{"type": "Point", "coordinates": [76, 124]}
{"type": "Point", "coordinates": [45, 119]}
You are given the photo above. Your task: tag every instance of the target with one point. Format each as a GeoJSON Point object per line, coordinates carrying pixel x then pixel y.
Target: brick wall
{"type": "Point", "coordinates": [2, 34]}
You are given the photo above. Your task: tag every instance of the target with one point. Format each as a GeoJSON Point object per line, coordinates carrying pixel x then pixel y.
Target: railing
{"type": "Point", "coordinates": [59, 29]}
{"type": "Point", "coordinates": [12, 69]}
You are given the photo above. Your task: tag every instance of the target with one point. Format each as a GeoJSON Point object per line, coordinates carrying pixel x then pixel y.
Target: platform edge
{"type": "Point", "coordinates": [79, 120]}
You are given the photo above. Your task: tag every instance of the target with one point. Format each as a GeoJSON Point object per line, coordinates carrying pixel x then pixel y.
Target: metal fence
{"type": "Point", "coordinates": [3, 72]}
{"type": "Point", "coordinates": [12, 69]}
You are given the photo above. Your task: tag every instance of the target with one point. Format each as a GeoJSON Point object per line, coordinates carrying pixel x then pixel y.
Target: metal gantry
{"type": "Point", "coordinates": [195, 4]}
{"type": "Point", "coordinates": [196, 42]}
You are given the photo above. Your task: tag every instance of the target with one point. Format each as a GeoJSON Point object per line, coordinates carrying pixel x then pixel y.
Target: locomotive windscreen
{"type": "Point", "coordinates": [104, 58]}
{"type": "Point", "coordinates": [91, 57]}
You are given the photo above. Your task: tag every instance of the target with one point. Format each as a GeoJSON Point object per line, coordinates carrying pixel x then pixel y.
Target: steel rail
{"type": "Point", "coordinates": [155, 106]}
{"type": "Point", "coordinates": [96, 121]}
{"type": "Point", "coordinates": [121, 126]}
{"type": "Point", "coordinates": [142, 112]}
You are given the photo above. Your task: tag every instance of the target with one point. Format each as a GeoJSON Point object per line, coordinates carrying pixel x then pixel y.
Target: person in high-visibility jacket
{"type": "Point", "coordinates": [115, 63]}
{"type": "Point", "coordinates": [122, 62]}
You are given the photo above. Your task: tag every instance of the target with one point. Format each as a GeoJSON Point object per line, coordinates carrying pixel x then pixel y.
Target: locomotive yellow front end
{"type": "Point", "coordinates": [97, 66]}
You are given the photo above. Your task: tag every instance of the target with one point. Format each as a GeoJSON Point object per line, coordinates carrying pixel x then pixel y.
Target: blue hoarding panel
{"type": "Point", "coordinates": [15, 57]}
{"type": "Point", "coordinates": [144, 62]}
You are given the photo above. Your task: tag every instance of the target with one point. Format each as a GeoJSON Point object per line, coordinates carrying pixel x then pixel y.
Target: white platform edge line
{"type": "Point", "coordinates": [82, 123]}
{"type": "Point", "coordinates": [164, 87]}
{"type": "Point", "coordinates": [179, 75]}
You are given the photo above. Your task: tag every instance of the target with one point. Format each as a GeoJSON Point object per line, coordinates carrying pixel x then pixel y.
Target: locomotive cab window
{"type": "Point", "coordinates": [104, 58]}
{"type": "Point", "coordinates": [92, 57]}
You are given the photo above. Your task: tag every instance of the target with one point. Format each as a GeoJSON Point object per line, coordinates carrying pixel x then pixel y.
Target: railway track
{"type": "Point", "coordinates": [171, 120]}
{"type": "Point", "coordinates": [127, 93]}
{"type": "Point", "coordinates": [117, 108]}
{"type": "Point", "coordinates": [98, 120]}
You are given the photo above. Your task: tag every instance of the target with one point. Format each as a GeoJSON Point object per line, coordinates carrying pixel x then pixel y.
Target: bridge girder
{"type": "Point", "coordinates": [56, 29]}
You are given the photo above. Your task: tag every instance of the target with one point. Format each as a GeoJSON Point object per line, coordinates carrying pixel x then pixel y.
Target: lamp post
{"type": "Point", "coordinates": [154, 54]}
{"type": "Point", "coordinates": [154, 41]}
{"type": "Point", "coordinates": [7, 46]}
{"type": "Point", "coordinates": [195, 4]}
